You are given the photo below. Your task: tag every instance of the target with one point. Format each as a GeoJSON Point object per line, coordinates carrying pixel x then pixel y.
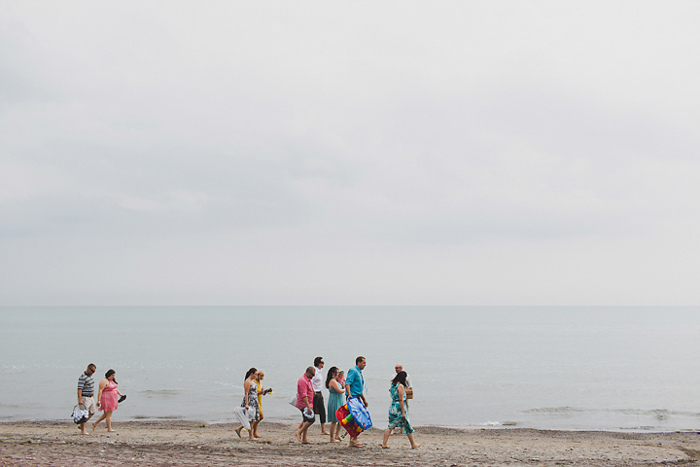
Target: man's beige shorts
{"type": "Point", "coordinates": [89, 404]}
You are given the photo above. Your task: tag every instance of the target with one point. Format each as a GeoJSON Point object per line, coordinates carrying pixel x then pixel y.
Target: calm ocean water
{"type": "Point", "coordinates": [609, 368]}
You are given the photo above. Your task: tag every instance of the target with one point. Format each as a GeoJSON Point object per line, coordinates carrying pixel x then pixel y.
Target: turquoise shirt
{"type": "Point", "coordinates": [356, 381]}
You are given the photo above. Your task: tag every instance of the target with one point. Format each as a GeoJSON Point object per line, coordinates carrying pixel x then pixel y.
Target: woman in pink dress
{"type": "Point", "coordinates": [107, 399]}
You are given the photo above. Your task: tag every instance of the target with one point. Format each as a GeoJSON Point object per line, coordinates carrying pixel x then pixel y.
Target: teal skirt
{"type": "Point", "coordinates": [335, 401]}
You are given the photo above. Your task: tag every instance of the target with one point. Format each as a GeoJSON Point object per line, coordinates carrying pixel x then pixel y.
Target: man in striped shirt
{"type": "Point", "coordinates": [86, 393]}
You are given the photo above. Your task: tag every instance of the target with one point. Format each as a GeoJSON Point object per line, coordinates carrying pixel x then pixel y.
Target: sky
{"type": "Point", "coordinates": [349, 153]}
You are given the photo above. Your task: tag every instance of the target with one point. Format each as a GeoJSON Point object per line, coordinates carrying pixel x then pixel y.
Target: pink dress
{"type": "Point", "coordinates": [109, 397]}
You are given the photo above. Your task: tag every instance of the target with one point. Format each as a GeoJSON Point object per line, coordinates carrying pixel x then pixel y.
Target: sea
{"type": "Point", "coordinates": [567, 368]}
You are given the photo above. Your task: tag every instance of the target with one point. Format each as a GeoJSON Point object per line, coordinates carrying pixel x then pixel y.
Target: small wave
{"type": "Point", "coordinates": [557, 410]}
{"type": "Point", "coordinates": [504, 423]}
{"type": "Point", "coordinates": [643, 428]}
{"type": "Point", "coordinates": [659, 414]}
{"type": "Point", "coordinates": [662, 414]}
{"type": "Point", "coordinates": [162, 417]}
{"type": "Point", "coordinates": [161, 392]}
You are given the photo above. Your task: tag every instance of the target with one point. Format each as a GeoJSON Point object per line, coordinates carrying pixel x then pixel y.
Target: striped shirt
{"type": "Point", "coordinates": [87, 384]}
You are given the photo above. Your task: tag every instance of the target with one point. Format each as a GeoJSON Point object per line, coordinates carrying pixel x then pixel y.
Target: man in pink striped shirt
{"type": "Point", "coordinates": [305, 397]}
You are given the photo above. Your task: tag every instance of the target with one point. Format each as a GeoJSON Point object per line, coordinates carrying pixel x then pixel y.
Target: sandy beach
{"type": "Point", "coordinates": [191, 443]}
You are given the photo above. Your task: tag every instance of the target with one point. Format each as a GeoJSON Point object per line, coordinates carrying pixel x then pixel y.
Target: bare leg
{"type": "Point", "coordinates": [253, 433]}
{"type": "Point", "coordinates": [337, 431]}
{"type": "Point", "coordinates": [355, 442]}
{"type": "Point", "coordinates": [387, 433]}
{"type": "Point", "coordinates": [332, 433]}
{"type": "Point", "coordinates": [302, 433]}
{"type": "Point", "coordinates": [323, 429]}
{"type": "Point", "coordinates": [81, 427]}
{"type": "Point", "coordinates": [412, 441]}
{"type": "Point", "coordinates": [108, 419]}
{"type": "Point", "coordinates": [305, 431]}
{"type": "Point", "coordinates": [102, 417]}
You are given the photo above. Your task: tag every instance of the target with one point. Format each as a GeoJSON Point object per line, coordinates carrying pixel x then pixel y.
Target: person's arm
{"type": "Point", "coordinates": [80, 391]}
{"type": "Point", "coordinates": [309, 391]}
{"type": "Point", "coordinates": [348, 383]}
{"type": "Point", "coordinates": [103, 385]}
{"type": "Point", "coordinates": [336, 387]}
{"type": "Point", "coordinates": [246, 388]}
{"type": "Point", "coordinates": [401, 393]}
{"type": "Point", "coordinates": [301, 389]}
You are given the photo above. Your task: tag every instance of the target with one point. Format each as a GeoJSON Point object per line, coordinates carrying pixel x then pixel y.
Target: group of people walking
{"type": "Point", "coordinates": [309, 400]}
{"type": "Point", "coordinates": [108, 397]}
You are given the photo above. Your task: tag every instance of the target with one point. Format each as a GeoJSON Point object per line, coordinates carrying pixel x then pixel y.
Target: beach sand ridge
{"type": "Point", "coordinates": [191, 443]}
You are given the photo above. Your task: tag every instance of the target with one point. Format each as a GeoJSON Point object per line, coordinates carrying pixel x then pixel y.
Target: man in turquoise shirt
{"type": "Point", "coordinates": [355, 387]}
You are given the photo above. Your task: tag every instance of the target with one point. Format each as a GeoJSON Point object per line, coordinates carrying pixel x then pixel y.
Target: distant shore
{"type": "Point", "coordinates": [191, 443]}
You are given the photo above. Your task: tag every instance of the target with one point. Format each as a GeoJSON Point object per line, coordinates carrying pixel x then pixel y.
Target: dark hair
{"type": "Point", "coordinates": [359, 359]}
{"type": "Point", "coordinates": [399, 378]}
{"type": "Point", "coordinates": [331, 374]}
{"type": "Point", "coordinates": [317, 361]}
{"type": "Point", "coordinates": [92, 367]}
{"type": "Point", "coordinates": [109, 373]}
{"type": "Point", "coordinates": [249, 372]}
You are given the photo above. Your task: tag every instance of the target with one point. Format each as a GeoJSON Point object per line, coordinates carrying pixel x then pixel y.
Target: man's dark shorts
{"type": "Point", "coordinates": [304, 418]}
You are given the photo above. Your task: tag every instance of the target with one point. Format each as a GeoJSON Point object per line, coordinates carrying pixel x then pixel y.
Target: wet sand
{"type": "Point", "coordinates": [190, 443]}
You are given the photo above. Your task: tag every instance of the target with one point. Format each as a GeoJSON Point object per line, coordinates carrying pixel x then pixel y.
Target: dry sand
{"type": "Point", "coordinates": [186, 443]}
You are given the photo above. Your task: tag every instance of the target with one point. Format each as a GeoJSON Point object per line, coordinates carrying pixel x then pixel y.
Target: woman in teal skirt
{"type": "Point", "coordinates": [335, 401]}
{"type": "Point", "coordinates": [398, 411]}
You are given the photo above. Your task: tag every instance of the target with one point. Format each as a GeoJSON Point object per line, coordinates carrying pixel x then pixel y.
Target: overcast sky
{"type": "Point", "coordinates": [359, 153]}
